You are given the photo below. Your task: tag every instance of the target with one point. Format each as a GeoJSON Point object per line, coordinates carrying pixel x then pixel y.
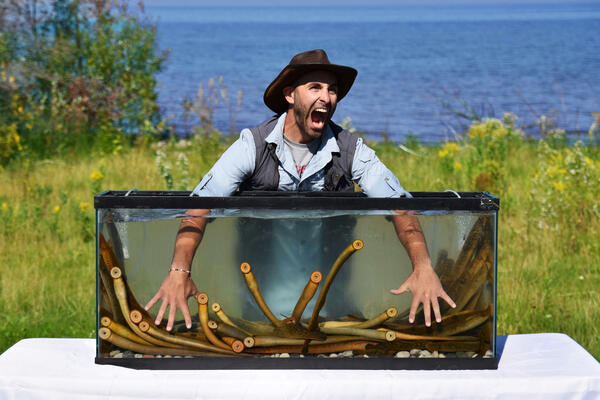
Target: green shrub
{"type": "Point", "coordinates": [82, 78]}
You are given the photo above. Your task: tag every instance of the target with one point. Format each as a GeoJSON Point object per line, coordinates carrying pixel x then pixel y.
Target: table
{"type": "Point", "coordinates": [532, 366]}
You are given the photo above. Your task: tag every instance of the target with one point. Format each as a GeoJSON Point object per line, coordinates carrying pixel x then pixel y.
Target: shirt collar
{"type": "Point", "coordinates": [276, 136]}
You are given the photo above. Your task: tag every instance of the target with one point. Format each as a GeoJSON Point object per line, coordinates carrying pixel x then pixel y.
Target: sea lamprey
{"type": "Point", "coordinates": [288, 327]}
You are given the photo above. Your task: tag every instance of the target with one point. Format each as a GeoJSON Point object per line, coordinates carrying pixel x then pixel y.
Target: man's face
{"type": "Point", "coordinates": [313, 102]}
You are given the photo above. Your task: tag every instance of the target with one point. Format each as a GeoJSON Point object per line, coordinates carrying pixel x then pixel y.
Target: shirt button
{"type": "Point", "coordinates": [387, 178]}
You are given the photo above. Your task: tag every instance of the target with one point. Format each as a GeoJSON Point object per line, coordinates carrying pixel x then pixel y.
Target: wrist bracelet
{"type": "Point", "coordinates": [180, 269]}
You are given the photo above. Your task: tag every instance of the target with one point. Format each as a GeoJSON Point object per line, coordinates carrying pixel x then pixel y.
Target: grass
{"type": "Point", "coordinates": [548, 247]}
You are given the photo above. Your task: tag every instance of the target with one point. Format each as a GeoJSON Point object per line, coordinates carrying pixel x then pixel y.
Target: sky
{"type": "Point", "coordinates": [279, 3]}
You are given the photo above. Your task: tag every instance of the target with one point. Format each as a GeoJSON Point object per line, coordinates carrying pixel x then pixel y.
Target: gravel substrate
{"type": "Point", "coordinates": [414, 353]}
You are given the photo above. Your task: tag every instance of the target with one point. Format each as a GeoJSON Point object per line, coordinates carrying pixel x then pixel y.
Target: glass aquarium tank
{"type": "Point", "coordinates": [296, 280]}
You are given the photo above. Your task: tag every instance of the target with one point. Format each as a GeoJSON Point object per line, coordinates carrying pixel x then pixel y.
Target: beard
{"type": "Point", "coordinates": [302, 117]}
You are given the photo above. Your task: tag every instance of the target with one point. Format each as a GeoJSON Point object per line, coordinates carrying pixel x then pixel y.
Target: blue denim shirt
{"type": "Point", "coordinates": [238, 161]}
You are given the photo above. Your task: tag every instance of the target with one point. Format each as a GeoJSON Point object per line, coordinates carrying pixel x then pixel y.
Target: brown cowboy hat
{"type": "Point", "coordinates": [300, 64]}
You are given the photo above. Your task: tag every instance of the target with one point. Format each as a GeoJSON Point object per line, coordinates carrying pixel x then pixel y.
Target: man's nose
{"type": "Point", "coordinates": [325, 96]}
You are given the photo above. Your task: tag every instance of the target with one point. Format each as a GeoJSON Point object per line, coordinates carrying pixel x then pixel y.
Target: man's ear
{"type": "Point", "coordinates": [288, 94]}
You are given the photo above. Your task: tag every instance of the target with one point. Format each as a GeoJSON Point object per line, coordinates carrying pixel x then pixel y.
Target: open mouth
{"type": "Point", "coordinates": [318, 117]}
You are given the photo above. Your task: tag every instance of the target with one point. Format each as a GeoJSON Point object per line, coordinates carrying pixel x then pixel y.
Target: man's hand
{"type": "Point", "coordinates": [425, 287]}
{"type": "Point", "coordinates": [174, 292]}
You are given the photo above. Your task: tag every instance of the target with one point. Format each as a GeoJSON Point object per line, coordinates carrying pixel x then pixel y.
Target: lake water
{"type": "Point", "coordinates": [529, 59]}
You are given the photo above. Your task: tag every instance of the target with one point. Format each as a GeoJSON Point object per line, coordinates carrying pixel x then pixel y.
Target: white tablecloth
{"type": "Point", "coordinates": [535, 366]}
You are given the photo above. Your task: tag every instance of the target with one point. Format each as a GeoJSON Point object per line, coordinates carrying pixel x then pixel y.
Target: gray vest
{"type": "Point", "coordinates": [338, 172]}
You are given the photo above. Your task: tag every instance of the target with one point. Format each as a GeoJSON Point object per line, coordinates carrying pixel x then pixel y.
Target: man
{"type": "Point", "coordinates": [301, 149]}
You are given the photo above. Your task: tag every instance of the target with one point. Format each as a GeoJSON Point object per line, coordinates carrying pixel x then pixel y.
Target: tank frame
{"type": "Point", "coordinates": [448, 201]}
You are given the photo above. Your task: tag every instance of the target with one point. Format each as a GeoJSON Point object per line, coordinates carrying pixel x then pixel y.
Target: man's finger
{"type": "Point", "coordinates": [413, 309]}
{"type": "Point", "coordinates": [447, 299]}
{"type": "Point", "coordinates": [172, 311]}
{"type": "Point", "coordinates": [152, 301]}
{"type": "Point", "coordinates": [436, 310]}
{"type": "Point", "coordinates": [161, 312]}
{"type": "Point", "coordinates": [186, 315]}
{"type": "Point", "coordinates": [427, 312]}
{"type": "Point", "coordinates": [401, 289]}
{"type": "Point", "coordinates": [194, 292]}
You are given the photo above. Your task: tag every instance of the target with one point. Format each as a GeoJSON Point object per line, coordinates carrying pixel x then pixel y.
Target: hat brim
{"type": "Point", "coordinates": [274, 98]}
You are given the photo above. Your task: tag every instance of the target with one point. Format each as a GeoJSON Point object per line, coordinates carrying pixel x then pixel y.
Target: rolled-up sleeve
{"type": "Point", "coordinates": [374, 178]}
{"type": "Point", "coordinates": [236, 163]}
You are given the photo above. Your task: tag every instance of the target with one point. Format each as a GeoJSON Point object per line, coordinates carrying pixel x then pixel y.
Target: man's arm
{"type": "Point", "coordinates": [423, 283]}
{"type": "Point", "coordinates": [222, 180]}
{"type": "Point", "coordinates": [377, 180]}
{"type": "Point", "coordinates": [178, 286]}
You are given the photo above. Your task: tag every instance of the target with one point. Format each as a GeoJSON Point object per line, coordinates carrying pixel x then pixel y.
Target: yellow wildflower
{"type": "Point", "coordinates": [11, 79]}
{"type": "Point", "coordinates": [20, 109]}
{"type": "Point", "coordinates": [457, 166]}
{"type": "Point", "coordinates": [3, 74]}
{"type": "Point", "coordinates": [477, 131]}
{"type": "Point", "coordinates": [588, 161]}
{"type": "Point", "coordinates": [4, 206]}
{"type": "Point", "coordinates": [452, 147]}
{"type": "Point", "coordinates": [559, 185]}
{"type": "Point", "coordinates": [16, 137]}
{"type": "Point", "coordinates": [448, 150]}
{"type": "Point", "coordinates": [499, 132]}
{"type": "Point", "coordinates": [553, 171]}
{"type": "Point", "coordinates": [84, 206]}
{"type": "Point", "coordinates": [56, 209]}
{"type": "Point", "coordinates": [96, 175]}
